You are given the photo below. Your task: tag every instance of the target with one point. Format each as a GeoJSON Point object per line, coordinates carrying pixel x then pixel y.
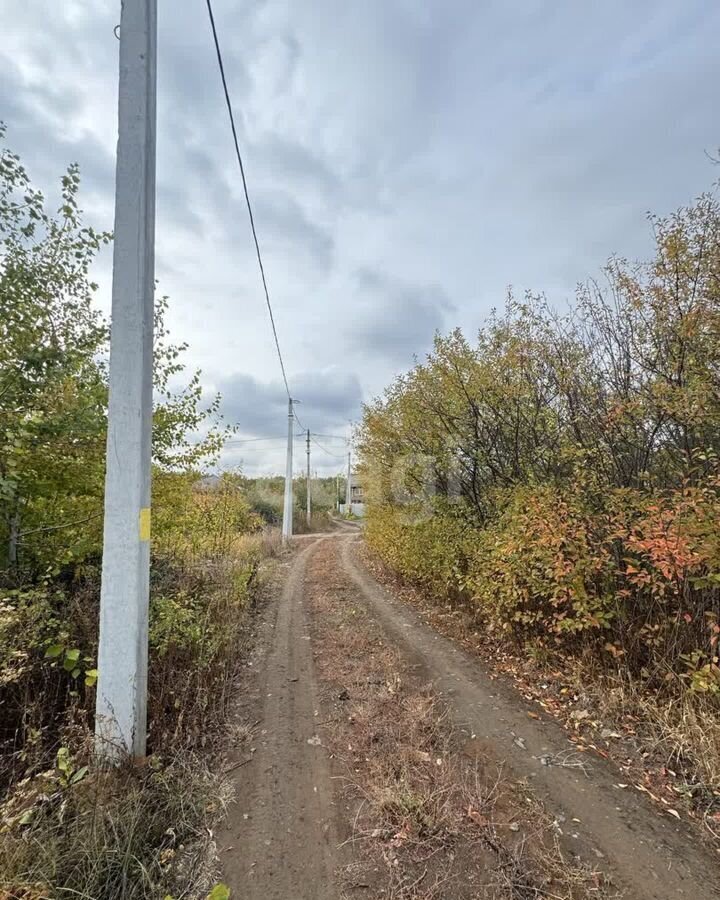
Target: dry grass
{"type": "Point", "coordinates": [668, 742]}
{"type": "Point", "coordinates": [431, 821]}
{"type": "Point", "coordinates": [680, 735]}
{"type": "Point", "coordinates": [140, 832]}
{"type": "Point", "coordinates": [129, 833]}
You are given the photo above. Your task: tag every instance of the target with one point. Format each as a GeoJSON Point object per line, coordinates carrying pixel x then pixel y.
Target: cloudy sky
{"type": "Point", "coordinates": [408, 160]}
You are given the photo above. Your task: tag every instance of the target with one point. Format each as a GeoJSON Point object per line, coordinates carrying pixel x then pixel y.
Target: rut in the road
{"type": "Point", "coordinates": [280, 840]}
{"type": "Point", "coordinates": [652, 857]}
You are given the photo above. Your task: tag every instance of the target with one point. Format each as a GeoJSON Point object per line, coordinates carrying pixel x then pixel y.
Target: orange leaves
{"type": "Point", "coordinates": [613, 650]}
{"type": "Point", "coordinates": [665, 547]}
{"type": "Point", "coordinates": [544, 567]}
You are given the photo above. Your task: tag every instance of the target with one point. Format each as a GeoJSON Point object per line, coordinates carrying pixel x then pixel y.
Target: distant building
{"type": "Point", "coordinates": [357, 498]}
{"type": "Point", "coordinates": [356, 489]}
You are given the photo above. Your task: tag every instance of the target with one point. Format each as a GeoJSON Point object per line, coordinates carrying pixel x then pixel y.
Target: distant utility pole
{"type": "Point", "coordinates": [309, 501]}
{"type": "Point", "coordinates": [287, 525]}
{"type": "Point", "coordinates": [348, 494]}
{"type": "Point", "coordinates": [337, 492]}
{"type": "Point", "coordinates": [121, 705]}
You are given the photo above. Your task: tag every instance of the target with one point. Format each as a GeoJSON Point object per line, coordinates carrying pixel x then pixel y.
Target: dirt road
{"type": "Point", "coordinates": [282, 839]}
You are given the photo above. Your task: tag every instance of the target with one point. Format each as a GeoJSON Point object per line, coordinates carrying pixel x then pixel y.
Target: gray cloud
{"type": "Point", "coordinates": [406, 160]}
{"type": "Point", "coordinates": [284, 222]}
{"type": "Point", "coordinates": [259, 409]}
{"type": "Point", "coordinates": [327, 401]}
{"type": "Point", "coordinates": [396, 321]}
{"type": "Point", "coordinates": [298, 164]}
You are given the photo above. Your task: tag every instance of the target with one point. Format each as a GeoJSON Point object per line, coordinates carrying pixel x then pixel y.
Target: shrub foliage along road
{"type": "Point", "coordinates": [560, 475]}
{"type": "Point", "coordinates": [207, 548]}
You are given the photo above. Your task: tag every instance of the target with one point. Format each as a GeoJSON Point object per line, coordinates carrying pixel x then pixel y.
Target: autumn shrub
{"type": "Point", "coordinates": [47, 652]}
{"type": "Point", "coordinates": [198, 628]}
{"type": "Point", "coordinates": [667, 596]}
{"type": "Point", "coordinates": [193, 521]}
{"type": "Point", "coordinates": [558, 474]}
{"type": "Point", "coordinates": [543, 569]}
{"type": "Point", "coordinates": [112, 834]}
{"type": "Point", "coordinates": [48, 648]}
{"type": "Point", "coordinates": [431, 550]}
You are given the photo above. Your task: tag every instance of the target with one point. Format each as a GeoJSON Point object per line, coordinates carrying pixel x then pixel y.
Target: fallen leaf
{"type": "Point", "coordinates": [476, 817]}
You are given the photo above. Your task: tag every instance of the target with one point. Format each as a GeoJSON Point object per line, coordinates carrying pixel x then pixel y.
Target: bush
{"type": "Point", "coordinates": [543, 569]}
{"type": "Point", "coordinates": [560, 474]}
{"type": "Point", "coordinates": [431, 550]}
{"type": "Point", "coordinates": [111, 834]}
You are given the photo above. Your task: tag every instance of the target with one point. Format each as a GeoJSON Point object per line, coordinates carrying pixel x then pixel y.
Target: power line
{"type": "Point", "coordinates": [325, 450]}
{"type": "Point", "coordinates": [334, 437]}
{"type": "Point", "coordinates": [297, 419]}
{"type": "Point", "coordinates": [245, 189]}
{"type": "Point", "coordinates": [254, 440]}
{"type": "Point", "coordinates": [275, 449]}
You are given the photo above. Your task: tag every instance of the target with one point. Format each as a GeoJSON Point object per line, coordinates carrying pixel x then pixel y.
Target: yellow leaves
{"type": "Point", "coordinates": [219, 892]}
{"type": "Point", "coordinates": [589, 482]}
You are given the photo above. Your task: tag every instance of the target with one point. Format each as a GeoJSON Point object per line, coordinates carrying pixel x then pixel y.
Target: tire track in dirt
{"type": "Point", "coordinates": [425, 817]}
{"type": "Point", "coordinates": [280, 841]}
{"type": "Point", "coordinates": [651, 857]}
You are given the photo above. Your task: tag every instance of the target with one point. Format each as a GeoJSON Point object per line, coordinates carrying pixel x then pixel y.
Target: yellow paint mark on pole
{"type": "Point", "coordinates": [145, 523]}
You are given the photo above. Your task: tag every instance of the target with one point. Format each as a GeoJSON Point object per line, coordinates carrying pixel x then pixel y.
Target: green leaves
{"type": "Point", "coordinates": [54, 345]}
{"type": "Point", "coordinates": [79, 775]}
{"type": "Point", "coordinates": [63, 761]}
{"type": "Point", "coordinates": [65, 764]}
{"type": "Point", "coordinates": [70, 661]}
{"type": "Point", "coordinates": [52, 419]}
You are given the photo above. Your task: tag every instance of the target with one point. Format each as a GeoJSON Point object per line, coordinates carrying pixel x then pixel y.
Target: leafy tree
{"type": "Point", "coordinates": [53, 379]}
{"type": "Point", "coordinates": [560, 473]}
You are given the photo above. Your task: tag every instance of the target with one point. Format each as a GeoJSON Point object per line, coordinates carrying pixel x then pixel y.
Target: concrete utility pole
{"type": "Point", "coordinates": [120, 718]}
{"type": "Point", "coordinates": [287, 525]}
{"type": "Point", "coordinates": [348, 493]}
{"type": "Point", "coordinates": [309, 501]}
{"type": "Point", "coordinates": [337, 492]}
